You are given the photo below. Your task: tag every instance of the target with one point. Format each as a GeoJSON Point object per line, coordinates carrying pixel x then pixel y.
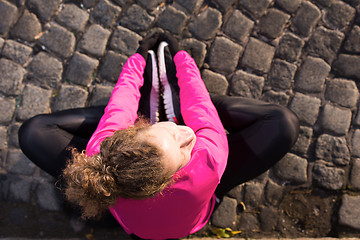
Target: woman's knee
{"type": "Point", "coordinates": [31, 129]}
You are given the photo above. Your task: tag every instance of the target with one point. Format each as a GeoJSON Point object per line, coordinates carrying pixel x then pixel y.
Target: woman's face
{"type": "Point", "coordinates": [175, 141]}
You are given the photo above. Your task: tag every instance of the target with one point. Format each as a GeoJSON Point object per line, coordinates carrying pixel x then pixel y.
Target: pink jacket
{"type": "Point", "coordinates": [186, 206]}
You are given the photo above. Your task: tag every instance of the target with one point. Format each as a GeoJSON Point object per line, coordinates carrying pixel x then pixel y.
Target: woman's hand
{"type": "Point", "coordinates": [148, 43]}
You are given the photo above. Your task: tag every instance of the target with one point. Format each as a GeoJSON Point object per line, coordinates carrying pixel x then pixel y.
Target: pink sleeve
{"type": "Point", "coordinates": [198, 111]}
{"type": "Point", "coordinates": [121, 111]}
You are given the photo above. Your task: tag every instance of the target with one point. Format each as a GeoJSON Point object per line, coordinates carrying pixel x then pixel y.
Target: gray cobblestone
{"type": "Point", "coordinates": [325, 43]}
{"type": "Point", "coordinates": [306, 108]}
{"type": "Point", "coordinates": [348, 65]}
{"type": "Point", "coordinates": [224, 5]}
{"type": "Point", "coordinates": [224, 55]}
{"type": "Point", "coordinates": [8, 14]}
{"type": "Point", "coordinates": [81, 68]}
{"type": "Point", "coordinates": [94, 40]}
{"type": "Point", "coordinates": [73, 17]}
{"type": "Point", "coordinates": [303, 142]}
{"type": "Point", "coordinates": [224, 216]}
{"type": "Point", "coordinates": [246, 85]}
{"type": "Point", "coordinates": [332, 149]}
{"type": "Point", "coordinates": [125, 41]}
{"type": "Point", "coordinates": [312, 74]}
{"type": "Point", "coordinates": [252, 195]}
{"type": "Point", "coordinates": [292, 168]}
{"type": "Point", "coordinates": [258, 55]}
{"type": "Point", "coordinates": [69, 97]}
{"type": "Point", "coordinates": [256, 8]}
{"type": "Point", "coordinates": [356, 143]}
{"type": "Point", "coordinates": [190, 5]}
{"type": "Point", "coordinates": [335, 119]}
{"type": "Point", "coordinates": [289, 5]}
{"type": "Point", "coordinates": [266, 214]}
{"type": "Point", "coordinates": [17, 163]}
{"type": "Point", "coordinates": [249, 222]}
{"type": "Point", "coordinates": [7, 107]}
{"type": "Point", "coordinates": [11, 77]}
{"type": "Point", "coordinates": [339, 15]}
{"type": "Point", "coordinates": [58, 40]}
{"type": "Point", "coordinates": [45, 9]}
{"type": "Point", "coordinates": [105, 13]}
{"type": "Point", "coordinates": [27, 27]}
{"type": "Point", "coordinates": [206, 24]}
{"type": "Point", "coordinates": [45, 70]}
{"type": "Point", "coordinates": [352, 44]}
{"type": "Point", "coordinates": [357, 119]}
{"type": "Point", "coordinates": [325, 3]}
{"type": "Point", "coordinates": [137, 19]}
{"type": "Point", "coordinates": [34, 101]}
{"type": "Point", "coordinates": [47, 197]}
{"type": "Point", "coordinates": [17, 52]}
{"type": "Point", "coordinates": [355, 174]}
{"type": "Point", "coordinates": [3, 134]}
{"type": "Point", "coordinates": [273, 23]}
{"type": "Point", "coordinates": [273, 193]}
{"type": "Point", "coordinates": [19, 190]}
{"type": "Point", "coordinates": [112, 66]}
{"type": "Point", "coordinates": [92, 3]}
{"type": "Point", "coordinates": [2, 41]}
{"type": "Point", "coordinates": [13, 134]}
{"type": "Point", "coordinates": [214, 82]}
{"type": "Point", "coordinates": [238, 26]}
{"type": "Point", "coordinates": [349, 212]}
{"type": "Point", "coordinates": [172, 20]}
{"type": "Point", "coordinates": [328, 177]}
{"type": "Point", "coordinates": [150, 4]}
{"type": "Point", "coordinates": [306, 18]}
{"type": "Point", "coordinates": [272, 96]}
{"type": "Point", "coordinates": [196, 49]}
{"type": "Point", "coordinates": [343, 92]}
{"type": "Point", "coordinates": [281, 74]}
{"type": "Point", "coordinates": [100, 95]}
{"type": "Point", "coordinates": [290, 47]}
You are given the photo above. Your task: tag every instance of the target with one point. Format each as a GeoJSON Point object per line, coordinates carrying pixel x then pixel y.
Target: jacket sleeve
{"type": "Point", "coordinates": [121, 110]}
{"type": "Point", "coordinates": [198, 111]}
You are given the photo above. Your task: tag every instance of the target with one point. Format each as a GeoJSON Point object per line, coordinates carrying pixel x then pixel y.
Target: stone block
{"type": "Point", "coordinates": [224, 55]}
{"type": "Point", "coordinates": [335, 119]}
{"type": "Point", "coordinates": [246, 85]}
{"type": "Point", "coordinates": [273, 193]}
{"type": "Point", "coordinates": [339, 15]}
{"type": "Point", "coordinates": [58, 40]}
{"type": "Point", "coordinates": [343, 92]}
{"type": "Point", "coordinates": [306, 18]}
{"type": "Point", "coordinates": [45, 70]}
{"type": "Point", "coordinates": [303, 142]}
{"type": "Point", "coordinates": [3, 134]}
{"type": "Point", "coordinates": [100, 95]}
{"type": "Point", "coordinates": [352, 44]}
{"type": "Point", "coordinates": [252, 195]}
{"type": "Point", "coordinates": [238, 26]}
{"type": "Point", "coordinates": [258, 55]}
{"type": "Point", "coordinates": [92, 3]}
{"type": "Point", "coordinates": [330, 178]}
{"type": "Point", "coordinates": [105, 13]}
{"type": "Point", "coordinates": [11, 77]}
{"type": "Point", "coordinates": [349, 213]}
{"type": "Point", "coordinates": [273, 23]}
{"type": "Point", "coordinates": [172, 20]}
{"type": "Point", "coordinates": [255, 8]}
{"type": "Point", "coordinates": [325, 3]}
{"type": "Point", "coordinates": [290, 47]}
{"type": "Point", "coordinates": [34, 101]}
{"type": "Point", "coordinates": [69, 97]}
{"type": "Point", "coordinates": [7, 107]}
{"type": "Point", "coordinates": [81, 68]}
{"type": "Point", "coordinates": [355, 174]}
{"type": "Point", "coordinates": [18, 163]}
{"type": "Point", "coordinates": [289, 5]}
{"type": "Point", "coordinates": [136, 18]}
{"type": "Point", "coordinates": [215, 82]}
{"type": "Point", "coordinates": [16, 52]}
{"type": "Point", "coordinates": [306, 108]}
{"type": "Point", "coordinates": [272, 96]}
{"type": "Point", "coordinates": [48, 198]}
{"type": "Point", "coordinates": [73, 17]}
{"type": "Point", "coordinates": [357, 119]}
{"type": "Point", "coordinates": [112, 66]}
{"type": "Point", "coordinates": [281, 74]}
{"type": "Point", "coordinates": [266, 214]}
{"type": "Point", "coordinates": [19, 190]}
{"type": "Point", "coordinates": [190, 5]}
{"type": "Point", "coordinates": [355, 143]}
{"type": "Point", "coordinates": [45, 9]}
{"type": "Point", "coordinates": [249, 222]}
{"type": "Point", "coordinates": [27, 28]}
{"type": "Point", "coordinates": [348, 65]}
{"type": "Point", "coordinates": [224, 5]}
{"type": "Point", "coordinates": [332, 149]}
{"type": "Point", "coordinates": [206, 24]}
{"type": "Point", "coordinates": [94, 40]}
{"type": "Point", "coordinates": [125, 41]}
{"type": "Point", "coordinates": [13, 135]}
{"type": "Point", "coordinates": [196, 49]}
{"type": "Point", "coordinates": [225, 215]}
{"type": "Point", "coordinates": [292, 168]}
{"type": "Point", "coordinates": [8, 13]}
{"type": "Point", "coordinates": [150, 4]}
{"type": "Point", "coordinates": [312, 74]}
{"type": "Point", "coordinates": [2, 41]}
{"type": "Point", "coordinates": [325, 43]}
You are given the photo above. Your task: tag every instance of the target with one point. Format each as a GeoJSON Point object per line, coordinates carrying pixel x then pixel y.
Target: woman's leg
{"type": "Point", "coordinates": [45, 139]}
{"type": "Point", "coordinates": [260, 134]}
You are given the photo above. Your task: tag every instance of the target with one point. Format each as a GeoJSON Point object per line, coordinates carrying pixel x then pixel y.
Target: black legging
{"type": "Point", "coordinates": [260, 134]}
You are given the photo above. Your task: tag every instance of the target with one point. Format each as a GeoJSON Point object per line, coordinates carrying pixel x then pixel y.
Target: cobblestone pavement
{"type": "Point", "coordinates": [60, 54]}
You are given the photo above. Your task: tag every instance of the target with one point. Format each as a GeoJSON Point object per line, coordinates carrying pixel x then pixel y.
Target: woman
{"type": "Point", "coordinates": [159, 180]}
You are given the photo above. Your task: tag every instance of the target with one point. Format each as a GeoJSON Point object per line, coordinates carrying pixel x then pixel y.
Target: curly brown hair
{"type": "Point", "coordinates": [125, 167]}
